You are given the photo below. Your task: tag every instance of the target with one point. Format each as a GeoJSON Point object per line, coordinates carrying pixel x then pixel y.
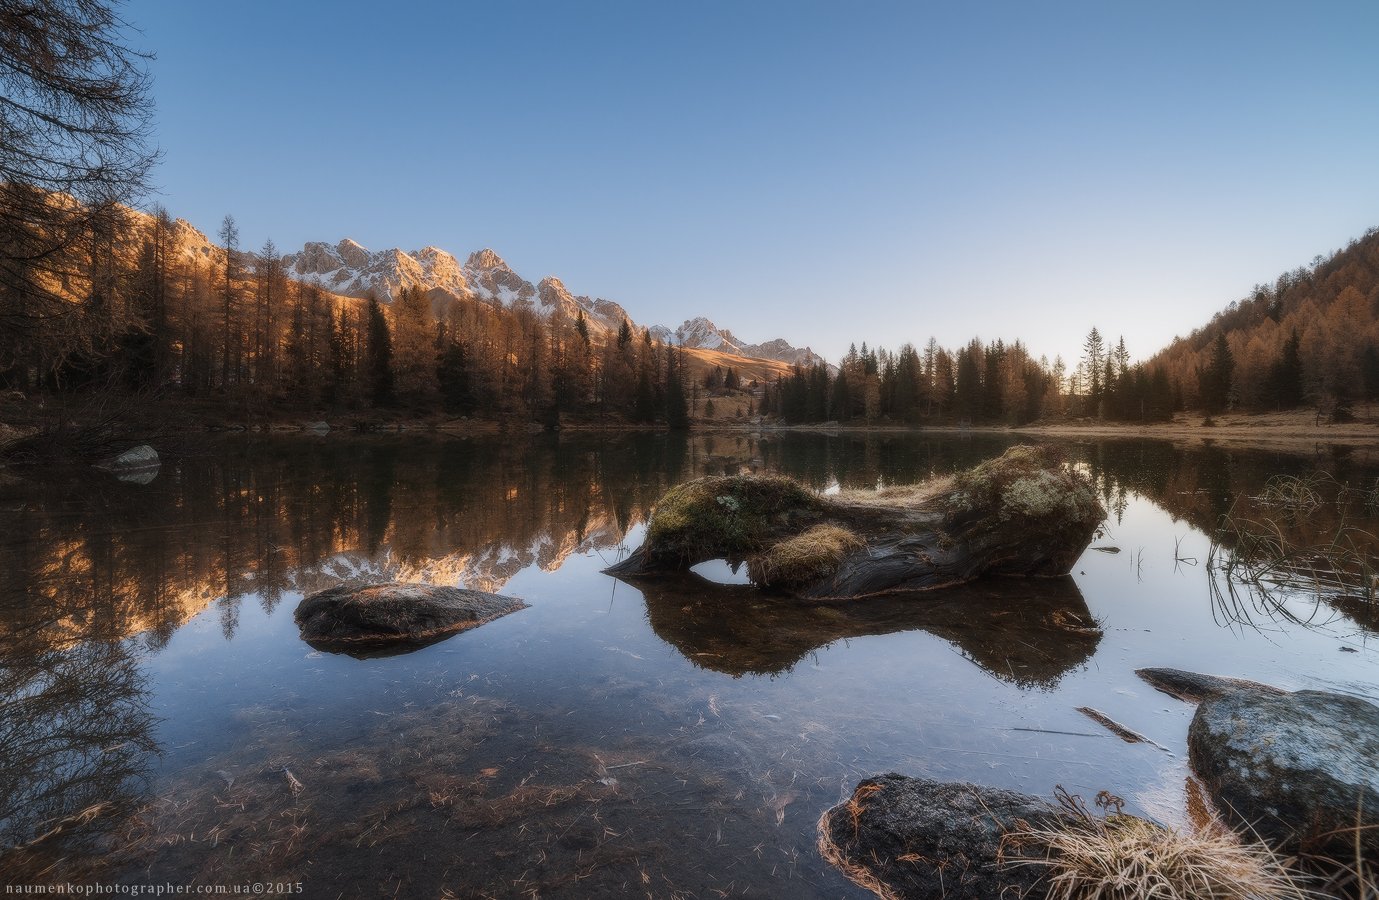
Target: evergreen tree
{"type": "Point", "coordinates": [677, 405]}
{"type": "Point", "coordinates": [1284, 385]}
{"type": "Point", "coordinates": [1215, 381]}
{"type": "Point", "coordinates": [644, 402]}
{"type": "Point", "coordinates": [840, 404]}
{"type": "Point", "coordinates": [452, 375]}
{"type": "Point", "coordinates": [967, 398]}
{"type": "Point", "coordinates": [1369, 372]}
{"type": "Point", "coordinates": [1093, 358]}
{"type": "Point", "coordinates": [340, 361]}
{"type": "Point", "coordinates": [380, 356]}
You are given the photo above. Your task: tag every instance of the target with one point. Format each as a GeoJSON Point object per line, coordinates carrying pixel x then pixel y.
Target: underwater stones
{"type": "Point", "coordinates": [383, 619]}
{"type": "Point", "coordinates": [1024, 514]}
{"type": "Point", "coordinates": [920, 839]}
{"type": "Point", "coordinates": [139, 465]}
{"type": "Point", "coordinates": [1300, 770]}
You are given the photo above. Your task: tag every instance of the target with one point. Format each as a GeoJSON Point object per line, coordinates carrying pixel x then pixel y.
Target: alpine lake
{"type": "Point", "coordinates": [162, 722]}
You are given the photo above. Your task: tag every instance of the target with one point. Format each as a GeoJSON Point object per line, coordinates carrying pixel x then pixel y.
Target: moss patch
{"type": "Point", "coordinates": [727, 515]}
{"type": "Point", "coordinates": [1024, 483]}
{"type": "Point", "coordinates": [807, 557]}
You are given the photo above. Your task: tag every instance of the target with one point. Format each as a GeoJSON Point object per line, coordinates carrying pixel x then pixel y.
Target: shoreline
{"type": "Point", "coordinates": [1296, 430]}
{"type": "Point", "coordinates": [1285, 429]}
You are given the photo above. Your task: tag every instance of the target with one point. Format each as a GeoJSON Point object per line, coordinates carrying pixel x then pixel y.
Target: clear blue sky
{"type": "Point", "coordinates": [823, 172]}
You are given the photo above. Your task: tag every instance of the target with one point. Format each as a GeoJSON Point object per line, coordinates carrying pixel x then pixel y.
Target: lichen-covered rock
{"type": "Point", "coordinates": [1024, 513]}
{"type": "Point", "coordinates": [919, 839]}
{"type": "Point", "coordinates": [380, 619]}
{"type": "Point", "coordinates": [1300, 769]}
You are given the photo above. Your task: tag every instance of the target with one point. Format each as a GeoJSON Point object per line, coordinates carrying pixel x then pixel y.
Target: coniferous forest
{"type": "Point", "coordinates": [114, 305]}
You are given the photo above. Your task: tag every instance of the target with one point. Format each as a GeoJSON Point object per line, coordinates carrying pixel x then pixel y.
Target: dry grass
{"type": "Point", "coordinates": [1354, 878]}
{"type": "Point", "coordinates": [1122, 857]}
{"type": "Point", "coordinates": [835, 856]}
{"type": "Point", "coordinates": [1293, 543]}
{"type": "Point", "coordinates": [897, 495]}
{"type": "Point", "coordinates": [807, 557]}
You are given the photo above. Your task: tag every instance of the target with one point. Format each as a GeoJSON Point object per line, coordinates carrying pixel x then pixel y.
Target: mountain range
{"type": "Point", "coordinates": [349, 269]}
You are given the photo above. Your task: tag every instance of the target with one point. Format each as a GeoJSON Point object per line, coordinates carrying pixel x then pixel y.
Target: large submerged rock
{"type": "Point", "coordinates": [931, 840]}
{"type": "Point", "coordinates": [1299, 769]}
{"type": "Point", "coordinates": [1024, 514]}
{"type": "Point", "coordinates": [384, 619]}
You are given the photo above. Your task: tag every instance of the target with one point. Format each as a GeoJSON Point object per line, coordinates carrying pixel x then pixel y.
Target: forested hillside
{"type": "Point", "coordinates": [149, 306]}
{"type": "Point", "coordinates": [1310, 338]}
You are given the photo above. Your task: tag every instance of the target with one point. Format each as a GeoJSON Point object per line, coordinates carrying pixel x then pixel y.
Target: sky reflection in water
{"type": "Point", "coordinates": [677, 736]}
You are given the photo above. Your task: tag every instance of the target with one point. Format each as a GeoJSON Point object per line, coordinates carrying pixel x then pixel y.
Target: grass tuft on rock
{"type": "Point", "coordinates": [805, 558]}
{"type": "Point", "coordinates": [1123, 857]}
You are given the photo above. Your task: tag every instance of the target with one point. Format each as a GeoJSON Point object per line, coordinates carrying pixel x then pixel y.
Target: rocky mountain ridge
{"type": "Point", "coordinates": [701, 334]}
{"type": "Point", "coordinates": [349, 269]}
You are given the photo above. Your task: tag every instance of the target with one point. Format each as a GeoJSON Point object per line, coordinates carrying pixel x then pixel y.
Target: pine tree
{"type": "Point", "coordinates": [229, 238]}
{"type": "Point", "coordinates": [1093, 358]}
{"type": "Point", "coordinates": [1216, 379]}
{"type": "Point", "coordinates": [380, 356]}
{"type": "Point", "coordinates": [677, 405]}
{"type": "Point", "coordinates": [840, 404]}
{"type": "Point", "coordinates": [452, 375]}
{"type": "Point", "coordinates": [1284, 384]}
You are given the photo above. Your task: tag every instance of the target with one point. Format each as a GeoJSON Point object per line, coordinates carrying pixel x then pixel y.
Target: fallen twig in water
{"type": "Point", "coordinates": [1119, 730]}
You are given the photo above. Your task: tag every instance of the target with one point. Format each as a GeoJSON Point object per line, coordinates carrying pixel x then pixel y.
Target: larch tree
{"type": "Point", "coordinates": [75, 117]}
{"type": "Point", "coordinates": [229, 359]}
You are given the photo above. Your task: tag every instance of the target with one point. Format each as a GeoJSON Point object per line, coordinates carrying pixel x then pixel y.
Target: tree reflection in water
{"type": "Point", "coordinates": [96, 575]}
{"type": "Point", "coordinates": [75, 742]}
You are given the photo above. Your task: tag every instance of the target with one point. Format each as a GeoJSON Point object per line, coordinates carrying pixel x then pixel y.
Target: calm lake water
{"type": "Point", "coordinates": [677, 742]}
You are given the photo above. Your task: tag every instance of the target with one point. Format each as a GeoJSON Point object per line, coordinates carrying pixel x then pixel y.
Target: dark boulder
{"type": "Point", "coordinates": [930, 840]}
{"type": "Point", "coordinates": [1024, 513]}
{"type": "Point", "coordinates": [382, 619]}
{"type": "Point", "coordinates": [1301, 770]}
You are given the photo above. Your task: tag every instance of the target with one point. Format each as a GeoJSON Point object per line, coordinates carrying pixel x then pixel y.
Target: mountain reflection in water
{"type": "Point", "coordinates": [153, 689]}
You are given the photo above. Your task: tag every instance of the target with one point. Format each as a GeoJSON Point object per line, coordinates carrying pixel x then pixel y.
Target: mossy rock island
{"type": "Point", "coordinates": [388, 619]}
{"type": "Point", "coordinates": [1025, 513]}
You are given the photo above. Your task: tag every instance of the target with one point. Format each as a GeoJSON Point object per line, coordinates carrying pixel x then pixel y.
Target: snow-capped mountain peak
{"type": "Point", "coordinates": [702, 334]}
{"type": "Point", "coordinates": [351, 269]}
